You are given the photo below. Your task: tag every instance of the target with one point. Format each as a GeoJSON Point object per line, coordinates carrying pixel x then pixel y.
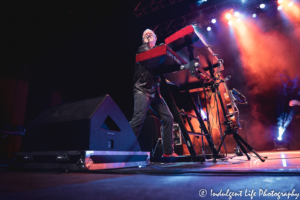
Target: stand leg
{"type": "Point", "coordinates": [202, 125]}
{"type": "Point", "coordinates": [203, 150]}
{"type": "Point", "coordinates": [220, 127]}
{"type": "Point", "coordinates": [221, 143]}
{"type": "Point", "coordinates": [236, 136]}
{"type": "Point", "coordinates": [248, 146]}
{"type": "Point", "coordinates": [174, 110]}
{"type": "Point", "coordinates": [241, 146]}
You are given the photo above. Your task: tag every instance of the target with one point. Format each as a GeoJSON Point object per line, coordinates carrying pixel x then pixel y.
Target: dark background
{"type": "Point", "coordinates": [82, 49]}
{"type": "Point", "coordinates": [85, 49]}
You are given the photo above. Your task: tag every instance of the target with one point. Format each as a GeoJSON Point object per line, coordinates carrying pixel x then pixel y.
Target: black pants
{"type": "Point", "coordinates": [141, 104]}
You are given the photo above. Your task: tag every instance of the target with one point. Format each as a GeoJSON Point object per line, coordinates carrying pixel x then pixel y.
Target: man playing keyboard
{"type": "Point", "coordinates": [147, 94]}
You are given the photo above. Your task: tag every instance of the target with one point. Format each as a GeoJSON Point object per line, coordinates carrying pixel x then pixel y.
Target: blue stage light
{"type": "Point", "coordinates": [203, 115]}
{"type": "Point", "coordinates": [283, 122]}
{"type": "Point", "coordinates": [262, 5]}
{"type": "Point", "coordinates": [209, 28]}
{"type": "Point", "coordinates": [236, 14]}
{"type": "Point", "coordinates": [213, 21]}
{"type": "Point", "coordinates": [280, 132]}
{"type": "Point", "coordinates": [254, 15]}
{"type": "Point", "coordinates": [230, 22]}
{"type": "Point", "coordinates": [284, 164]}
{"type": "Point", "coordinates": [279, 7]}
{"type": "Point", "coordinates": [200, 2]}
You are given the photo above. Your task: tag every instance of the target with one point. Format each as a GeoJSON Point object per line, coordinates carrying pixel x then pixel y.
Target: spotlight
{"type": "Point", "coordinates": [262, 5]}
{"type": "Point", "coordinates": [238, 20]}
{"type": "Point", "coordinates": [279, 7]}
{"type": "Point", "coordinates": [279, 138]}
{"type": "Point", "coordinates": [280, 132]}
{"type": "Point", "coordinates": [228, 16]}
{"type": "Point", "coordinates": [280, 1]}
{"type": "Point", "coordinates": [230, 22]}
{"type": "Point", "coordinates": [290, 4]}
{"type": "Point", "coordinates": [209, 28]}
{"type": "Point", "coordinates": [213, 21]}
{"type": "Point", "coordinates": [254, 15]}
{"type": "Point", "coordinates": [236, 14]}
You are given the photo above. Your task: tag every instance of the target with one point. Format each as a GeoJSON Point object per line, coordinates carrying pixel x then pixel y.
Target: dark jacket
{"type": "Point", "coordinates": [143, 78]}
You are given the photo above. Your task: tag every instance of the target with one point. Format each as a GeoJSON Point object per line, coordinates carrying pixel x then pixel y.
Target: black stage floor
{"type": "Point", "coordinates": [235, 178]}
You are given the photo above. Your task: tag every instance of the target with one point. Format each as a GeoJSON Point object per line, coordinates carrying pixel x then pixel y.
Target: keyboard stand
{"type": "Point", "coordinates": [177, 117]}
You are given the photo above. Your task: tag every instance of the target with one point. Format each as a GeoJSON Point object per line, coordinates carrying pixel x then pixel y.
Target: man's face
{"type": "Point", "coordinates": [149, 37]}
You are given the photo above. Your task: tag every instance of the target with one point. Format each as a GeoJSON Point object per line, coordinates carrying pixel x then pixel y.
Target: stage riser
{"type": "Point", "coordinates": [80, 160]}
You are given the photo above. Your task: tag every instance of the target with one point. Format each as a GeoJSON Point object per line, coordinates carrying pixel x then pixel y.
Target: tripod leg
{"type": "Point", "coordinates": [262, 159]}
{"type": "Point", "coordinates": [208, 136]}
{"type": "Point", "coordinates": [203, 150]}
{"type": "Point", "coordinates": [221, 143]}
{"type": "Point", "coordinates": [248, 146]}
{"type": "Point", "coordinates": [241, 146]}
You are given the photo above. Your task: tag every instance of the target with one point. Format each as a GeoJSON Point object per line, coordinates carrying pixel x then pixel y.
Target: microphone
{"type": "Point", "coordinates": [148, 37]}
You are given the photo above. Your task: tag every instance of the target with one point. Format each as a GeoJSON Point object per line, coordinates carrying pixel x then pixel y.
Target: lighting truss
{"type": "Point", "coordinates": [203, 17]}
{"type": "Point", "coordinates": [145, 7]}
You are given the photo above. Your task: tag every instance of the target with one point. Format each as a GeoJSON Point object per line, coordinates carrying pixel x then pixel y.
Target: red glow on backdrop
{"type": "Point", "coordinates": [264, 56]}
{"type": "Point", "coordinates": [292, 10]}
{"type": "Point", "coordinates": [293, 14]}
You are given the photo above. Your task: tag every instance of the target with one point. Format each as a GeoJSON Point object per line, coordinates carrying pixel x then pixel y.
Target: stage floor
{"type": "Point", "coordinates": [235, 178]}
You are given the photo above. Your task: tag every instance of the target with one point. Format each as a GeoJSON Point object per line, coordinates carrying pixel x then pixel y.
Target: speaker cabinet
{"type": "Point", "coordinates": [93, 124]}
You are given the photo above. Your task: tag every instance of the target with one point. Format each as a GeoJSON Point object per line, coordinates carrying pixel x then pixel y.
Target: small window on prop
{"type": "Point", "coordinates": [110, 124]}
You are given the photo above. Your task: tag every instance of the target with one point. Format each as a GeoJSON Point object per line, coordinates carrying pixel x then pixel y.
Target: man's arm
{"type": "Point", "coordinates": [143, 48]}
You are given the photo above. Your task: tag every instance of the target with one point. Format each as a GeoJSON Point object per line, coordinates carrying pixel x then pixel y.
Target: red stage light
{"type": "Point", "coordinates": [228, 15]}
